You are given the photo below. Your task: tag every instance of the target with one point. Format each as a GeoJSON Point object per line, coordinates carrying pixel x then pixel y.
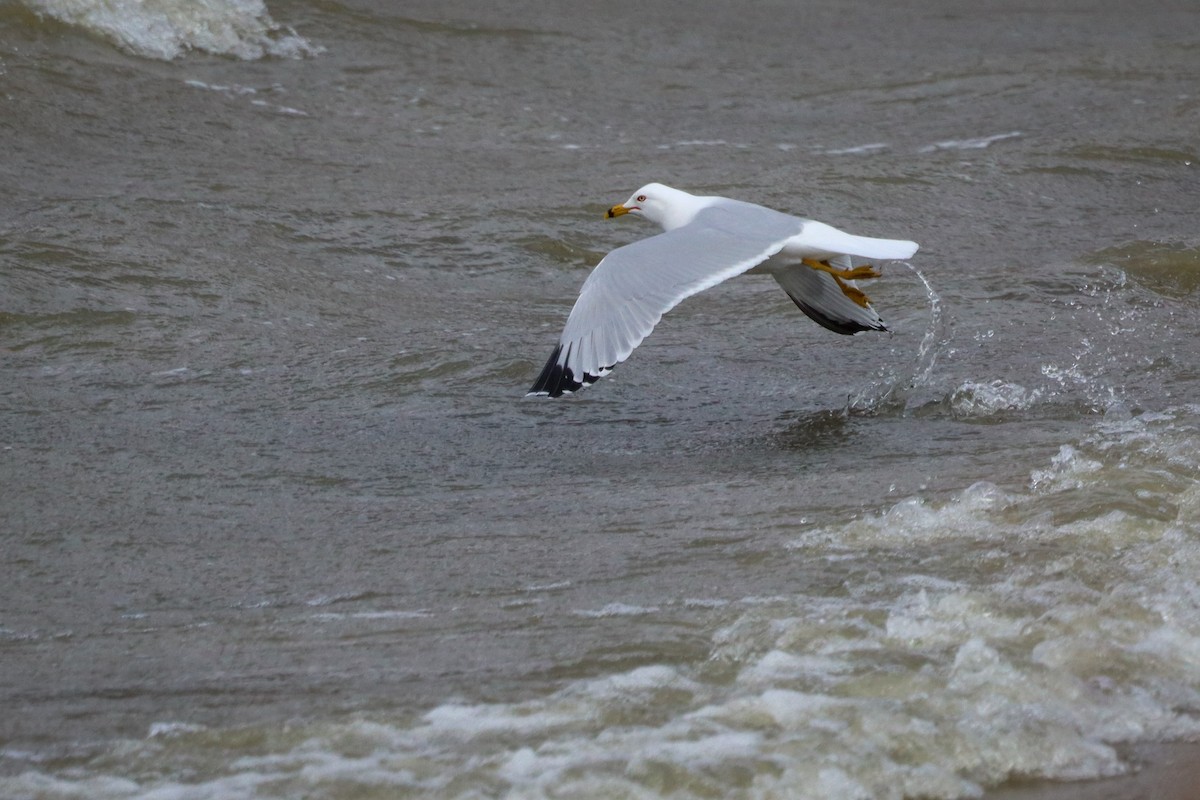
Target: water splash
{"type": "Point", "coordinates": [1107, 316]}
{"type": "Point", "coordinates": [896, 391]}
{"type": "Point", "coordinates": [936, 335]}
{"type": "Point", "coordinates": [980, 400]}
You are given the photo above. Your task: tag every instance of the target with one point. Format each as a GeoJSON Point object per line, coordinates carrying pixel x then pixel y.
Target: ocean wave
{"type": "Point", "coordinates": [1019, 632]}
{"type": "Point", "coordinates": [167, 29]}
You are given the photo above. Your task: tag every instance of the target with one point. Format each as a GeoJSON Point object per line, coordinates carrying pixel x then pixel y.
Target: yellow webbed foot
{"type": "Point", "coordinates": [864, 271]}
{"type": "Point", "coordinates": [853, 292]}
{"type": "Point", "coordinates": [840, 276]}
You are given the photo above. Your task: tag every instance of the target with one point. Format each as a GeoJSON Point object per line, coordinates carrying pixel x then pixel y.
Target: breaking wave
{"type": "Point", "coordinates": [167, 29]}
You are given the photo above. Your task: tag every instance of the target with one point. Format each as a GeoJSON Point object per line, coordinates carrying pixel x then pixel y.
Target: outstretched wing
{"type": "Point", "coordinates": [633, 286]}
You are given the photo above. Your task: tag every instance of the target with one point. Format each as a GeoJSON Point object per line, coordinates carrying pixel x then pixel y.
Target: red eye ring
{"type": "Point", "coordinates": [641, 198]}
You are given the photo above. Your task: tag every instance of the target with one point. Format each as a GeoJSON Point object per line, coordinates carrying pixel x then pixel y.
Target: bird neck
{"type": "Point", "coordinates": [681, 209]}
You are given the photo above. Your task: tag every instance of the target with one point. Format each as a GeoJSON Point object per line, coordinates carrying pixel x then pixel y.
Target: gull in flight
{"type": "Point", "coordinates": [707, 240]}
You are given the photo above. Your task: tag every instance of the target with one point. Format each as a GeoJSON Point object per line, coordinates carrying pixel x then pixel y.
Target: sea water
{"type": "Point", "coordinates": [278, 520]}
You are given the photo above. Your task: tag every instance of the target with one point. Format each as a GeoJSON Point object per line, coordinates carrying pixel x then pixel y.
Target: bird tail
{"type": "Point", "coordinates": [819, 236]}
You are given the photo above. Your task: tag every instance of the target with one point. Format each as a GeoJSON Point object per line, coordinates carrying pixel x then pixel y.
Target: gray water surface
{"type": "Point", "coordinates": [269, 484]}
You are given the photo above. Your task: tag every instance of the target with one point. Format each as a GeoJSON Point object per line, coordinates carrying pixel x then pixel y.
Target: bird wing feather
{"type": "Point", "coordinates": [633, 286]}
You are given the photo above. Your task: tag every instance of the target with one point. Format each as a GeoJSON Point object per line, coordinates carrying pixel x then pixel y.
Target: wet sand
{"type": "Point", "coordinates": [1163, 772]}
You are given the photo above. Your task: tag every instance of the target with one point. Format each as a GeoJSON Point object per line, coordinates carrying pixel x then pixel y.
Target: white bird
{"type": "Point", "coordinates": [707, 240]}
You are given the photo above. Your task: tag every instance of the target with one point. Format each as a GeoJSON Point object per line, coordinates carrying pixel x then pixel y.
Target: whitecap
{"type": "Point", "coordinates": [166, 29]}
{"type": "Point", "coordinates": [976, 143]}
{"type": "Point", "coordinates": [874, 147]}
{"type": "Point", "coordinates": [618, 610]}
{"type": "Point", "coordinates": [934, 677]}
{"type": "Point", "coordinates": [162, 730]}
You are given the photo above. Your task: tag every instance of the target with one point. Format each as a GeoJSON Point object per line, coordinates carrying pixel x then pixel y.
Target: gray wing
{"type": "Point", "coordinates": [633, 286]}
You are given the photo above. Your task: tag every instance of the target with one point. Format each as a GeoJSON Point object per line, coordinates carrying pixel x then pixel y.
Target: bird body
{"type": "Point", "coordinates": [707, 240]}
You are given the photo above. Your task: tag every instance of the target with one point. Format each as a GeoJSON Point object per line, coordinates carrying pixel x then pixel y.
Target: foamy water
{"type": "Point", "coordinates": [1017, 633]}
{"type": "Point", "coordinates": [167, 29]}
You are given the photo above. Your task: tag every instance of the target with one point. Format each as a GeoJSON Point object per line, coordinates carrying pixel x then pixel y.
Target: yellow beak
{"type": "Point", "coordinates": [617, 211]}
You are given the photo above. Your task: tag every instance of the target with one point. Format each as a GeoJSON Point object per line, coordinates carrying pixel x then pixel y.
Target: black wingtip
{"type": "Point", "coordinates": [846, 327]}
{"type": "Point", "coordinates": [557, 379]}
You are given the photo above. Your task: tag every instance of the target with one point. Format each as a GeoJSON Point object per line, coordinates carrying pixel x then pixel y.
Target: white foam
{"type": "Point", "coordinates": [997, 643]}
{"type": "Point", "coordinates": [231, 89]}
{"type": "Point", "coordinates": [974, 400]}
{"type": "Point", "coordinates": [915, 519]}
{"type": "Point", "coordinates": [166, 29]}
{"type": "Point", "coordinates": [373, 615]}
{"type": "Point", "coordinates": [16, 754]}
{"type": "Point", "coordinates": [779, 665]}
{"type": "Point", "coordinates": [860, 149]}
{"type": "Point", "coordinates": [703, 143]}
{"type": "Point", "coordinates": [237, 90]}
{"type": "Point", "coordinates": [556, 586]}
{"type": "Point", "coordinates": [471, 721]}
{"type": "Point", "coordinates": [705, 602]}
{"type": "Point", "coordinates": [977, 143]}
{"type": "Point", "coordinates": [618, 610]}
{"type": "Point", "coordinates": [1068, 470]}
{"type": "Point", "coordinates": [340, 597]}
{"type": "Point", "coordinates": [41, 785]}
{"type": "Point", "coordinates": [169, 729]}
{"type": "Point", "coordinates": [700, 752]}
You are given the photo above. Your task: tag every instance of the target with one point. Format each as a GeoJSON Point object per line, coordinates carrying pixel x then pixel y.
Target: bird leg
{"type": "Point", "coordinates": [840, 276]}
{"type": "Point", "coordinates": [864, 271]}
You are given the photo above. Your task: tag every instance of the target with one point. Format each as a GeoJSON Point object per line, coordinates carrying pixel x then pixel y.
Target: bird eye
{"type": "Point", "coordinates": [641, 198]}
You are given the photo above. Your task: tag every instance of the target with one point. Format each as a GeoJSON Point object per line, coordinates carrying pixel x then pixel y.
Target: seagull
{"type": "Point", "coordinates": [707, 240]}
